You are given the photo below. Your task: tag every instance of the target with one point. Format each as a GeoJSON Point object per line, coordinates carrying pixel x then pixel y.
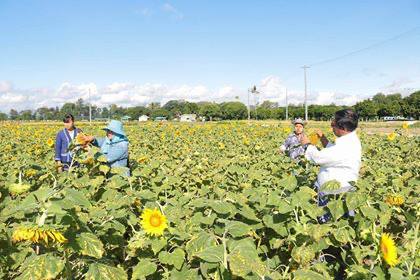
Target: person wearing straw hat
{"type": "Point", "coordinates": [291, 145]}
{"type": "Point", "coordinates": [114, 146]}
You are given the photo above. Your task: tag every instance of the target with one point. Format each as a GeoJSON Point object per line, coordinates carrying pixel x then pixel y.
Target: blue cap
{"type": "Point", "coordinates": [116, 127]}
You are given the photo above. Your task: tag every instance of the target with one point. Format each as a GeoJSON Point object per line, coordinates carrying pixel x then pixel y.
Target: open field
{"type": "Point", "coordinates": [235, 208]}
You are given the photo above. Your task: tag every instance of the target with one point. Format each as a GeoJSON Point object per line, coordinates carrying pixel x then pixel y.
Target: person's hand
{"type": "Point", "coordinates": [319, 133]}
{"type": "Point", "coordinates": [87, 138]}
{"type": "Point", "coordinates": [304, 139]}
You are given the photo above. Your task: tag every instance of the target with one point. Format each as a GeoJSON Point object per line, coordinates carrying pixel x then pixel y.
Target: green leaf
{"type": "Point", "coordinates": [332, 185]}
{"type": "Point", "coordinates": [76, 197]}
{"type": "Point", "coordinates": [289, 182]}
{"type": "Point", "coordinates": [158, 244]}
{"type": "Point", "coordinates": [304, 274]}
{"type": "Point", "coordinates": [176, 258]}
{"type": "Point", "coordinates": [90, 245]}
{"type": "Point", "coordinates": [104, 168]}
{"type": "Point", "coordinates": [221, 207]}
{"type": "Point", "coordinates": [212, 254]}
{"type": "Point", "coordinates": [336, 208]}
{"type": "Point", "coordinates": [199, 243]}
{"type": "Point", "coordinates": [98, 271]}
{"type": "Point", "coordinates": [354, 200]}
{"type": "Point", "coordinates": [243, 258]}
{"type": "Point", "coordinates": [144, 268]}
{"type": "Point", "coordinates": [237, 229]}
{"type": "Point", "coordinates": [41, 267]}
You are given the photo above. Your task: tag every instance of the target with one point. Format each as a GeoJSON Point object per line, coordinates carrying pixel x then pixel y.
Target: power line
{"type": "Point", "coordinates": [396, 37]}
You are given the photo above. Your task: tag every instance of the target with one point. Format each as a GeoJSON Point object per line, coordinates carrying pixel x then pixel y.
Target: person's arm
{"type": "Point", "coordinates": [324, 140]}
{"type": "Point", "coordinates": [57, 156]}
{"type": "Point", "coordinates": [325, 157]}
{"type": "Point", "coordinates": [285, 145]}
{"type": "Point", "coordinates": [95, 141]}
{"type": "Point", "coordinates": [117, 152]}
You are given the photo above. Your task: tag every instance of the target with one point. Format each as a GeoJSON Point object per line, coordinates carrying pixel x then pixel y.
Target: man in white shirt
{"type": "Point", "coordinates": [339, 161]}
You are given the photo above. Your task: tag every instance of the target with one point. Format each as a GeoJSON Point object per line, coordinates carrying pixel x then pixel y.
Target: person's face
{"type": "Point", "coordinates": [109, 134]}
{"type": "Point", "coordinates": [69, 125]}
{"type": "Point", "coordinates": [336, 130]}
{"type": "Point", "coordinates": [298, 128]}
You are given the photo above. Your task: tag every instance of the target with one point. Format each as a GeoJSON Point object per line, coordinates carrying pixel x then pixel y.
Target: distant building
{"type": "Point", "coordinates": [160, 119]}
{"type": "Point", "coordinates": [143, 118]}
{"type": "Point", "coordinates": [393, 118]}
{"type": "Point", "coordinates": [125, 118]}
{"type": "Point", "coordinates": [188, 118]}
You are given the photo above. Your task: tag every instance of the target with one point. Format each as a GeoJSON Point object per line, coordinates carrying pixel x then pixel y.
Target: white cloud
{"type": "Point", "coordinates": [170, 9]}
{"type": "Point", "coordinates": [128, 94]}
{"type": "Point", "coordinates": [5, 86]}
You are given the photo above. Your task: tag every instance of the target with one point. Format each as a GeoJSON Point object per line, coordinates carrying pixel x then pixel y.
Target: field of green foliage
{"type": "Point", "coordinates": [205, 201]}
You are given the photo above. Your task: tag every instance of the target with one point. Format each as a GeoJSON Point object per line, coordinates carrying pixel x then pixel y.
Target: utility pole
{"type": "Point", "coordinates": [306, 91]}
{"type": "Point", "coordinates": [90, 109]}
{"type": "Point", "coordinates": [249, 108]}
{"type": "Point", "coordinates": [287, 107]}
{"type": "Point", "coordinates": [255, 92]}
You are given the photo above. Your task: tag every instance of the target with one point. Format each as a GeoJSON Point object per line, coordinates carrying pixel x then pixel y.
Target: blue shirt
{"type": "Point", "coordinates": [293, 147]}
{"type": "Point", "coordinates": [117, 154]}
{"type": "Point", "coordinates": [62, 143]}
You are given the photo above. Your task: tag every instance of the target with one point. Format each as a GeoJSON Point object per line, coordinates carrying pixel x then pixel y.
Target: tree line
{"type": "Point", "coordinates": [378, 106]}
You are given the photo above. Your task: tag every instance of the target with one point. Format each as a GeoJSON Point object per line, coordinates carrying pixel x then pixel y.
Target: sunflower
{"type": "Point", "coordinates": [405, 125]}
{"type": "Point", "coordinates": [392, 136]}
{"type": "Point", "coordinates": [153, 222]}
{"type": "Point", "coordinates": [395, 200]}
{"type": "Point", "coordinates": [313, 138]}
{"type": "Point", "coordinates": [50, 142]}
{"type": "Point", "coordinates": [389, 250]}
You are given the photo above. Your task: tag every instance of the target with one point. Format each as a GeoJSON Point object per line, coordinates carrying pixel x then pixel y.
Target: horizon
{"type": "Point", "coordinates": [137, 52]}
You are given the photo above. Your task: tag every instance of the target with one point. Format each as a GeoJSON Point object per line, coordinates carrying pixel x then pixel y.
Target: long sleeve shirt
{"type": "Point", "coordinates": [117, 155]}
{"type": "Point", "coordinates": [340, 161]}
{"type": "Point", "coordinates": [292, 146]}
{"type": "Point", "coordinates": [62, 143]}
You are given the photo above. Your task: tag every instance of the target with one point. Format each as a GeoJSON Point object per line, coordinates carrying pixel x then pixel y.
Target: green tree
{"type": "Point", "coordinates": [233, 110]}
{"type": "Point", "coordinates": [209, 110]}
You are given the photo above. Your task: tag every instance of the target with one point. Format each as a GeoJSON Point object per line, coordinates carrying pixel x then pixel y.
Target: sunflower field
{"type": "Point", "coordinates": [204, 201]}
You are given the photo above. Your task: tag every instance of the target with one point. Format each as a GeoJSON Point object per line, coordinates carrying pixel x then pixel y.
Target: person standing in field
{"type": "Point", "coordinates": [292, 146]}
{"type": "Point", "coordinates": [339, 161]}
{"type": "Point", "coordinates": [63, 140]}
{"type": "Point", "coordinates": [114, 146]}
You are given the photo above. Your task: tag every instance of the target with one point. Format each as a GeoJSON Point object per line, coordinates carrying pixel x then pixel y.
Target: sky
{"type": "Point", "coordinates": [133, 52]}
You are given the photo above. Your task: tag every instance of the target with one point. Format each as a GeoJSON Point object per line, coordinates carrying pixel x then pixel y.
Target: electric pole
{"type": "Point", "coordinates": [306, 91]}
{"type": "Point", "coordinates": [249, 108]}
{"type": "Point", "coordinates": [287, 107]}
{"type": "Point", "coordinates": [90, 109]}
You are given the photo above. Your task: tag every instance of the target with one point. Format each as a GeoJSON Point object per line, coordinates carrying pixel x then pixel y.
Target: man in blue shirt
{"type": "Point", "coordinates": [292, 146]}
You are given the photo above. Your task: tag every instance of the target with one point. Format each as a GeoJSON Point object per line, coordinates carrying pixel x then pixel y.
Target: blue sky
{"type": "Point", "coordinates": [200, 49]}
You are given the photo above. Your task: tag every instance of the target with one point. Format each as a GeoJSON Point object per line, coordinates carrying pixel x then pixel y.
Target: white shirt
{"type": "Point", "coordinates": [339, 161]}
{"type": "Point", "coordinates": [71, 133]}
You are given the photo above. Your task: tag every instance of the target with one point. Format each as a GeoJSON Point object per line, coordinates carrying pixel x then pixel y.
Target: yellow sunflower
{"type": "Point", "coordinates": [395, 200]}
{"type": "Point", "coordinates": [405, 125]}
{"type": "Point", "coordinates": [50, 142]}
{"type": "Point", "coordinates": [392, 136]}
{"type": "Point", "coordinates": [153, 222]}
{"type": "Point", "coordinates": [313, 138]}
{"type": "Point", "coordinates": [389, 250]}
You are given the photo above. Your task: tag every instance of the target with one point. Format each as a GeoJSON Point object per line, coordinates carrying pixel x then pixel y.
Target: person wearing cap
{"type": "Point", "coordinates": [339, 161]}
{"type": "Point", "coordinates": [114, 146]}
{"type": "Point", "coordinates": [291, 145]}
{"type": "Point", "coordinates": [63, 157]}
